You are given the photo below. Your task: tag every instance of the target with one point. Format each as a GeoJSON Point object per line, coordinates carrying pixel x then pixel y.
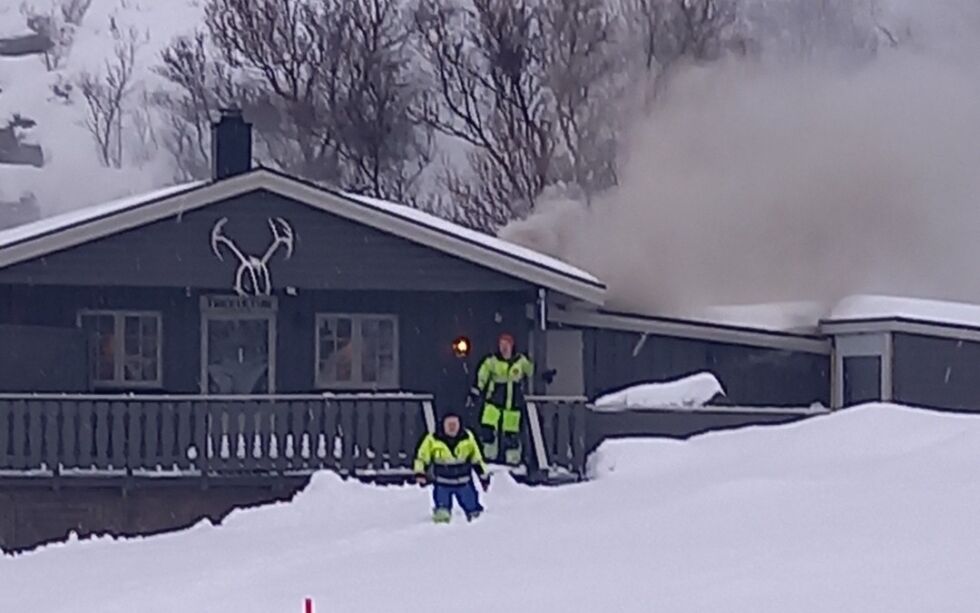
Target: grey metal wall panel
{"type": "Point", "coordinates": [750, 375]}
{"type": "Point", "coordinates": [936, 372]}
{"type": "Point", "coordinates": [329, 253]}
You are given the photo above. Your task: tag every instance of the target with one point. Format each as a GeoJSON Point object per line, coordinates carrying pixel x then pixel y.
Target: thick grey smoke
{"type": "Point", "coordinates": [752, 184]}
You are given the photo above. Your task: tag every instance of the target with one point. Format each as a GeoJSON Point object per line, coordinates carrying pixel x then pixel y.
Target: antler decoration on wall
{"type": "Point", "coordinates": [253, 277]}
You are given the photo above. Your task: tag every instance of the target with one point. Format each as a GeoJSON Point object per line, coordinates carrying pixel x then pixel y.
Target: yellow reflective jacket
{"type": "Point", "coordinates": [502, 382]}
{"type": "Point", "coordinates": [452, 458]}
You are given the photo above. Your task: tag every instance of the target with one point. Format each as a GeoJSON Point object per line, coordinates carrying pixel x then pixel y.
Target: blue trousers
{"type": "Point", "coordinates": [442, 496]}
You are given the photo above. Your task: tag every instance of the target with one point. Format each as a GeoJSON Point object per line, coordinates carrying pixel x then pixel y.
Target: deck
{"type": "Point", "coordinates": [148, 439]}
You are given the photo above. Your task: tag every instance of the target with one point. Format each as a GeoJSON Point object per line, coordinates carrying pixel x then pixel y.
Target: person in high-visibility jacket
{"type": "Point", "coordinates": [454, 454]}
{"type": "Point", "coordinates": [501, 383]}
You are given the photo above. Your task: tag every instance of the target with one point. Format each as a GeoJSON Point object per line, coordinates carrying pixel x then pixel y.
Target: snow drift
{"type": "Point", "coordinates": [692, 391]}
{"type": "Point", "coordinates": [870, 509]}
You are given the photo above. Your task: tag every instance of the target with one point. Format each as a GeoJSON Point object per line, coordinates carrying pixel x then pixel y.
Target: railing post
{"type": "Point", "coordinates": [537, 440]}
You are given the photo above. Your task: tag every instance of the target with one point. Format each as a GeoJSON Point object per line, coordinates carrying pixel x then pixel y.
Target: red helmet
{"type": "Point", "coordinates": [506, 336]}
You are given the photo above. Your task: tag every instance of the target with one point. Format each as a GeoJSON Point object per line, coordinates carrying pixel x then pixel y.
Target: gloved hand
{"type": "Point", "coordinates": [421, 480]}
{"type": "Point", "coordinates": [549, 375]}
{"type": "Point", "coordinates": [485, 482]}
{"type": "Point", "coordinates": [473, 399]}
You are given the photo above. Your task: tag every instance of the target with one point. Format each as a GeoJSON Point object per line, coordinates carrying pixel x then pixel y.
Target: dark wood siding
{"type": "Point", "coordinates": [750, 375]}
{"type": "Point", "coordinates": [42, 359]}
{"type": "Point", "coordinates": [940, 373]}
{"type": "Point", "coordinates": [428, 323]}
{"type": "Point", "coordinates": [330, 253]}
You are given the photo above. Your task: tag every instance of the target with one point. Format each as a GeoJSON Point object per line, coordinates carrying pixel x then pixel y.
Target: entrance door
{"type": "Point", "coordinates": [237, 350]}
{"type": "Point", "coordinates": [862, 379]}
{"type": "Point", "coordinates": [862, 368]}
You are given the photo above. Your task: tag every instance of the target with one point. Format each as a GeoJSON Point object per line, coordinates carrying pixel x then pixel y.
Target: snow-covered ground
{"type": "Point", "coordinates": [72, 176]}
{"type": "Point", "coordinates": [871, 509]}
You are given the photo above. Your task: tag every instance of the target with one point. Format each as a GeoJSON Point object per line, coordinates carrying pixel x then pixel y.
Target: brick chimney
{"type": "Point", "coordinates": [231, 145]}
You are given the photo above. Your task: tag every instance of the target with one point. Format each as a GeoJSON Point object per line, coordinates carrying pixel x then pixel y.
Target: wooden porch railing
{"type": "Point", "coordinates": [362, 434]}
{"type": "Point", "coordinates": [558, 438]}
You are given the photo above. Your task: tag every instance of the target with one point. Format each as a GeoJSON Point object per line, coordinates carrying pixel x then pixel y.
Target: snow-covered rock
{"type": "Point", "coordinates": [689, 392]}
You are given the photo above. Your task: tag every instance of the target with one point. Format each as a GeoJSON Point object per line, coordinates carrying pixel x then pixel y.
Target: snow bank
{"type": "Point", "coordinates": [693, 391]}
{"type": "Point", "coordinates": [889, 307]}
{"type": "Point", "coordinates": [870, 509]}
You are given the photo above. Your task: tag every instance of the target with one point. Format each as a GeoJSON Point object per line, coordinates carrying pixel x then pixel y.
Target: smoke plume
{"type": "Point", "coordinates": [751, 183]}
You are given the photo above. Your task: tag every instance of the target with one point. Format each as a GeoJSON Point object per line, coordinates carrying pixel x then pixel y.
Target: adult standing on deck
{"type": "Point", "coordinates": [501, 383]}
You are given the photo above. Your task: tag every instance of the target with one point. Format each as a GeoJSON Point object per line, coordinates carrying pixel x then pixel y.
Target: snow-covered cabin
{"type": "Point", "coordinates": [252, 328]}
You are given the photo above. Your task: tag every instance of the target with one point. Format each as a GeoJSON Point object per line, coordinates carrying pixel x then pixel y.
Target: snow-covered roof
{"type": "Point", "coordinates": [489, 241]}
{"type": "Point", "coordinates": [893, 307]}
{"type": "Point", "coordinates": [48, 225]}
{"type": "Point", "coordinates": [698, 329]}
{"type": "Point", "coordinates": [90, 223]}
{"type": "Point", "coordinates": [781, 316]}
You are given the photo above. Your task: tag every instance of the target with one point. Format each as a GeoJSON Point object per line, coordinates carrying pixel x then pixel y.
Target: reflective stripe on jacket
{"type": "Point", "coordinates": [502, 382]}
{"type": "Point", "coordinates": [452, 458]}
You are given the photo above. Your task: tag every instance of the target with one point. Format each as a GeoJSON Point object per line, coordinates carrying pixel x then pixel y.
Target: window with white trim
{"type": "Point", "coordinates": [124, 348]}
{"type": "Point", "coordinates": [356, 351]}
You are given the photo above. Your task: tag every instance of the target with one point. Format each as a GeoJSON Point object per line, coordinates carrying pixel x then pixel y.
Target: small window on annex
{"type": "Point", "coordinates": [124, 348]}
{"type": "Point", "coordinates": [356, 351]}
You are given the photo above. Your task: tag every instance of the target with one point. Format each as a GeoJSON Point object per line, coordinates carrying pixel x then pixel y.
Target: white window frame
{"type": "Point", "coordinates": [119, 348]}
{"type": "Point", "coordinates": [356, 381]}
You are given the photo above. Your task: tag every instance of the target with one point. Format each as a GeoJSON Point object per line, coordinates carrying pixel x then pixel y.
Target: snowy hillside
{"type": "Point", "coordinates": [871, 509]}
{"type": "Point", "coordinates": [72, 175]}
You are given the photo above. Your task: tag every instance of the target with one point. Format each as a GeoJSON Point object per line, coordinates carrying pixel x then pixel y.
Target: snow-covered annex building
{"type": "Point", "coordinates": [175, 355]}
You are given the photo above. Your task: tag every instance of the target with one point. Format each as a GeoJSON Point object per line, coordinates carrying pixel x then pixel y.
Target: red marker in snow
{"type": "Point", "coordinates": [309, 606]}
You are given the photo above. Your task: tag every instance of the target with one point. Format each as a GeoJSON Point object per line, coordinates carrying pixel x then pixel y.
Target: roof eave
{"type": "Point", "coordinates": [263, 179]}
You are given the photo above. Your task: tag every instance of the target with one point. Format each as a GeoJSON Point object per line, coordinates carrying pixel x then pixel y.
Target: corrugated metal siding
{"type": "Point", "coordinates": [330, 253]}
{"type": "Point", "coordinates": [751, 375]}
{"type": "Point", "coordinates": [936, 372]}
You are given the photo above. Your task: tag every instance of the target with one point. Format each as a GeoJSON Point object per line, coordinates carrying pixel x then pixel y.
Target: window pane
{"type": "Point", "coordinates": [386, 340]}
{"type": "Point", "coordinates": [386, 370]}
{"type": "Point", "coordinates": [370, 332]}
{"type": "Point", "coordinates": [140, 347]}
{"type": "Point", "coordinates": [131, 330]}
{"type": "Point", "coordinates": [336, 350]}
{"type": "Point", "coordinates": [101, 331]}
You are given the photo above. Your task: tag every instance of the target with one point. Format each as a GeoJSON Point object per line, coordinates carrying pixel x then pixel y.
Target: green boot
{"type": "Point", "coordinates": [441, 516]}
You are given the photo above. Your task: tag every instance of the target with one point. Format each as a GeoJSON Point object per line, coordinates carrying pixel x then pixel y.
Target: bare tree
{"type": "Point", "coordinates": [295, 47]}
{"type": "Point", "coordinates": [486, 61]}
{"type": "Point", "coordinates": [73, 11]}
{"type": "Point", "coordinates": [327, 84]}
{"type": "Point", "coordinates": [586, 69]}
{"type": "Point", "coordinates": [676, 31]}
{"type": "Point", "coordinates": [202, 87]}
{"type": "Point", "coordinates": [383, 149]}
{"type": "Point", "coordinates": [530, 86]}
{"type": "Point", "coordinates": [51, 26]}
{"type": "Point", "coordinates": [105, 94]}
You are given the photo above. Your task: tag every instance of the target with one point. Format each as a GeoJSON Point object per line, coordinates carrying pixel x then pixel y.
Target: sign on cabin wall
{"type": "Point", "coordinates": [253, 277]}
